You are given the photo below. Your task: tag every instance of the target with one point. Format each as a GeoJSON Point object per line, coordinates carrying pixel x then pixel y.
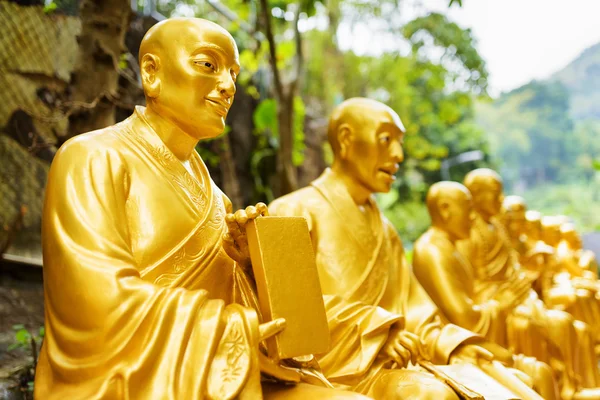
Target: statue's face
{"type": "Point", "coordinates": [459, 218]}
{"type": "Point", "coordinates": [489, 199]}
{"type": "Point", "coordinates": [515, 222]}
{"type": "Point", "coordinates": [376, 150]}
{"type": "Point", "coordinates": [198, 72]}
{"type": "Point", "coordinates": [550, 231]}
{"type": "Point", "coordinates": [572, 237]}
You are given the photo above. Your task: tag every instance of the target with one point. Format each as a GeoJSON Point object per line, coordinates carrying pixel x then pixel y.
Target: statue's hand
{"type": "Point", "coordinates": [402, 347]}
{"type": "Point", "coordinates": [470, 353]}
{"type": "Point", "coordinates": [513, 294]}
{"type": "Point", "coordinates": [235, 242]}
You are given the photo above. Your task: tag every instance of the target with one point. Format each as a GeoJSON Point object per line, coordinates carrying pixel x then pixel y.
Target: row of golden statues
{"type": "Point", "coordinates": [150, 291]}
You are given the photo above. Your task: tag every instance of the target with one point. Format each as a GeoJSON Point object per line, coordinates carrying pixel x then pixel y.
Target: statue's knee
{"type": "Point", "coordinates": [560, 318]}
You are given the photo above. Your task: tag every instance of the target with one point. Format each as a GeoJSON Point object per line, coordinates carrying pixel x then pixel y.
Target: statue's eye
{"type": "Point", "coordinates": [206, 64]}
{"type": "Point", "coordinates": [384, 139]}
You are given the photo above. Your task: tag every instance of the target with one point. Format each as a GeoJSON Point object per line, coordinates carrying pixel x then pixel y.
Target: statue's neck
{"type": "Point", "coordinates": [359, 194]}
{"type": "Point", "coordinates": [175, 139]}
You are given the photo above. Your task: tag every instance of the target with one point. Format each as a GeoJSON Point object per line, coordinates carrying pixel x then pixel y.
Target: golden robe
{"type": "Point", "coordinates": [532, 328]}
{"type": "Point", "coordinates": [367, 283]}
{"type": "Point", "coordinates": [139, 293]}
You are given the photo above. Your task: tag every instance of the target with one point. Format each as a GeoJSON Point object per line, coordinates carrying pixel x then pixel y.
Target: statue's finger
{"type": "Point", "coordinates": [262, 209]}
{"type": "Point", "coordinates": [233, 227]}
{"type": "Point", "coordinates": [271, 328]}
{"type": "Point", "coordinates": [252, 212]}
{"type": "Point", "coordinates": [241, 218]}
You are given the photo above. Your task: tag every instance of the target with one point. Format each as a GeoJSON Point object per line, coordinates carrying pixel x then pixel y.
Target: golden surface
{"type": "Point", "coordinates": [482, 286]}
{"type": "Point", "coordinates": [382, 322]}
{"type": "Point", "coordinates": [143, 299]}
{"type": "Point", "coordinates": [288, 285]}
{"type": "Point", "coordinates": [564, 283]}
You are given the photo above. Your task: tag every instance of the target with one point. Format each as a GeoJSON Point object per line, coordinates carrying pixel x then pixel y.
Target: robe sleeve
{"type": "Point", "coordinates": [110, 334]}
{"type": "Point", "coordinates": [439, 276]}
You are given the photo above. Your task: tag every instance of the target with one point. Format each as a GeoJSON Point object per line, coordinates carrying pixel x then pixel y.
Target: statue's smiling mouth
{"type": "Point", "coordinates": [391, 172]}
{"type": "Point", "coordinates": [221, 107]}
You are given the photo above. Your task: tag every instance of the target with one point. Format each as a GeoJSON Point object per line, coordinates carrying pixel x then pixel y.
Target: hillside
{"type": "Point", "coordinates": [582, 79]}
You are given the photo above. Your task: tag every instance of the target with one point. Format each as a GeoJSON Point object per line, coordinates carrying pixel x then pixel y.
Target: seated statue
{"type": "Point", "coordinates": [143, 300]}
{"type": "Point", "coordinates": [375, 306]}
{"type": "Point", "coordinates": [572, 244]}
{"type": "Point", "coordinates": [534, 255]}
{"type": "Point", "coordinates": [531, 328]}
{"type": "Point", "coordinates": [556, 286]}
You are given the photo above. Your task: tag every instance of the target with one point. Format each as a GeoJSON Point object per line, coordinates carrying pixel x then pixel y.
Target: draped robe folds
{"type": "Point", "coordinates": [139, 293]}
{"type": "Point", "coordinates": [367, 283]}
{"type": "Point", "coordinates": [451, 282]}
{"type": "Point", "coordinates": [532, 328]}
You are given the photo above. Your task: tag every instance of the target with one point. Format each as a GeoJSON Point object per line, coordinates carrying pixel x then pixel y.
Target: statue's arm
{"type": "Point", "coordinates": [441, 278]}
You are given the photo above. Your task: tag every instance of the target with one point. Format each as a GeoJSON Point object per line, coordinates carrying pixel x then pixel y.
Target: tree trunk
{"type": "Point", "coordinates": [94, 83]}
{"type": "Point", "coordinates": [231, 186]}
{"type": "Point", "coordinates": [285, 167]}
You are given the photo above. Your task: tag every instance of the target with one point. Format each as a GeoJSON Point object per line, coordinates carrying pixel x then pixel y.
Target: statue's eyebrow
{"type": "Point", "coordinates": [207, 46]}
{"type": "Point", "coordinates": [211, 46]}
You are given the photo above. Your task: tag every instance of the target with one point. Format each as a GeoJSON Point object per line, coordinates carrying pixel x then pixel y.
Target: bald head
{"type": "Point", "coordinates": [482, 179]}
{"type": "Point", "coordinates": [356, 113]}
{"type": "Point", "coordinates": [551, 230]}
{"type": "Point", "coordinates": [445, 191]}
{"type": "Point", "coordinates": [534, 224]}
{"type": "Point", "coordinates": [486, 187]}
{"type": "Point", "coordinates": [514, 204]}
{"type": "Point", "coordinates": [449, 205]}
{"type": "Point", "coordinates": [164, 36]}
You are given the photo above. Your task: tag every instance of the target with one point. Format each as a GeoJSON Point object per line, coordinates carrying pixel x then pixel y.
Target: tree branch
{"type": "Point", "coordinates": [266, 14]}
{"type": "Point", "coordinates": [299, 58]}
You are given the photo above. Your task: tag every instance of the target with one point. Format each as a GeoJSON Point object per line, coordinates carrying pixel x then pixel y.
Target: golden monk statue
{"type": "Point", "coordinates": [571, 246]}
{"type": "Point", "coordinates": [376, 308]}
{"type": "Point", "coordinates": [534, 255]}
{"type": "Point", "coordinates": [561, 284]}
{"type": "Point", "coordinates": [451, 281]}
{"type": "Point", "coordinates": [492, 264]}
{"type": "Point", "coordinates": [143, 300]}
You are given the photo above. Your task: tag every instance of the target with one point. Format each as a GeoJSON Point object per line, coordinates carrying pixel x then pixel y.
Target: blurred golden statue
{"type": "Point", "coordinates": [381, 320]}
{"type": "Point", "coordinates": [143, 299]}
{"type": "Point", "coordinates": [562, 283]}
{"type": "Point", "coordinates": [499, 286]}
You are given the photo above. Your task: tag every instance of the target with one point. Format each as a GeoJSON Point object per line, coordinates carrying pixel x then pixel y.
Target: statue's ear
{"type": "Point", "coordinates": [444, 207]}
{"type": "Point", "coordinates": [150, 68]}
{"type": "Point", "coordinates": [344, 137]}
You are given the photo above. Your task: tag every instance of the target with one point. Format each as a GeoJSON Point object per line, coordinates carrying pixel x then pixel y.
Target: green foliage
{"type": "Point", "coordinates": [578, 200]}
{"type": "Point", "coordinates": [24, 339]}
{"type": "Point", "coordinates": [266, 124]}
{"type": "Point", "coordinates": [50, 8]}
{"type": "Point", "coordinates": [410, 218]}
{"type": "Point", "coordinates": [535, 139]}
{"type": "Point", "coordinates": [458, 45]}
{"type": "Point", "coordinates": [582, 80]}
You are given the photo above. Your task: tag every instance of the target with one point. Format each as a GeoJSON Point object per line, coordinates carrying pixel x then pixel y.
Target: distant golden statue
{"type": "Point", "coordinates": [499, 302]}
{"type": "Point", "coordinates": [382, 322]}
{"type": "Point", "coordinates": [143, 299]}
{"type": "Point", "coordinates": [562, 283]}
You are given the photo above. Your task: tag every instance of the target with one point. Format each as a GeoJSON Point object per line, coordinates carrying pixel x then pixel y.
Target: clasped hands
{"type": "Point", "coordinates": [403, 347]}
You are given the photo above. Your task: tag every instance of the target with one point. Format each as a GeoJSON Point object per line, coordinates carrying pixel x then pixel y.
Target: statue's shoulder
{"type": "Point", "coordinates": [431, 244]}
{"type": "Point", "coordinates": [295, 203]}
{"type": "Point", "coordinates": [90, 149]}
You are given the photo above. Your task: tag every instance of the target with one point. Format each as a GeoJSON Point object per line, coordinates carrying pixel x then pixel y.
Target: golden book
{"type": "Point", "coordinates": [287, 280]}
